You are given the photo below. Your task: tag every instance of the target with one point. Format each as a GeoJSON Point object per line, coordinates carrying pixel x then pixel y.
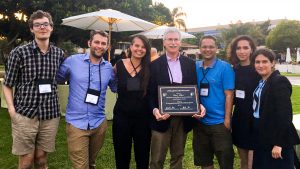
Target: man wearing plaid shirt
{"type": "Point", "coordinates": [34, 108]}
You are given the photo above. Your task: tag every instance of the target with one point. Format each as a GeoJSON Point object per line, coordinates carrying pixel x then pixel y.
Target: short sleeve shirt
{"type": "Point", "coordinates": [220, 77]}
{"type": "Point", "coordinates": [25, 65]}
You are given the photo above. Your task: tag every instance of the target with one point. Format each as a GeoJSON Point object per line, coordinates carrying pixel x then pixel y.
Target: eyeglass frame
{"type": "Point", "coordinates": [39, 25]}
{"type": "Point", "coordinates": [174, 40]}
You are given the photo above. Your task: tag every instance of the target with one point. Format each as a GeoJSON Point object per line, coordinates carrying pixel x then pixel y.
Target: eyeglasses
{"type": "Point", "coordinates": [39, 25]}
{"type": "Point", "coordinates": [208, 47]}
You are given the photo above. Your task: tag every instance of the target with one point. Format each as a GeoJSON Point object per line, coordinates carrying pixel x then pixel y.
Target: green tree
{"type": "Point", "coordinates": [177, 20]}
{"type": "Point", "coordinates": [285, 34]}
{"type": "Point", "coordinates": [16, 31]}
{"type": "Point", "coordinates": [194, 41]}
{"type": "Point", "coordinates": [258, 32]}
{"type": "Point", "coordinates": [137, 8]}
{"type": "Point", "coordinates": [160, 14]}
{"type": "Point", "coordinates": [265, 28]}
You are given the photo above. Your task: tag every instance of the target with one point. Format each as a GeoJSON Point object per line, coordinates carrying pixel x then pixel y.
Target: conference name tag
{"type": "Point", "coordinates": [90, 98]}
{"type": "Point", "coordinates": [204, 92]}
{"type": "Point", "coordinates": [45, 88]}
{"type": "Point", "coordinates": [240, 94]}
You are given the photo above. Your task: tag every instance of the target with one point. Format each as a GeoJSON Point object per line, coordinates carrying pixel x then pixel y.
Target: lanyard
{"type": "Point", "coordinates": [204, 75]}
{"type": "Point", "coordinates": [90, 75]}
{"type": "Point", "coordinates": [134, 68]}
{"type": "Point", "coordinates": [169, 70]}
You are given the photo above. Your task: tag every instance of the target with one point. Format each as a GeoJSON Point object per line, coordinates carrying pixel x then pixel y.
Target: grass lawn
{"type": "Point", "coordinates": [59, 159]}
{"type": "Point", "coordinates": [296, 99]}
{"type": "Point", "coordinates": [290, 74]}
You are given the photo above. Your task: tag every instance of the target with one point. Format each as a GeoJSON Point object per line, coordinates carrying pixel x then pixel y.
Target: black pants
{"type": "Point", "coordinates": [128, 130]}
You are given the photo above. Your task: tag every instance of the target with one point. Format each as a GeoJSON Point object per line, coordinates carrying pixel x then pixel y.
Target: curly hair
{"type": "Point", "coordinates": [231, 50]}
{"type": "Point", "coordinates": [38, 15]}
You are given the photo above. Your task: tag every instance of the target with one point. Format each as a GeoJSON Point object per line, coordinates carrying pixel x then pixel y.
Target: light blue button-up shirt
{"type": "Point", "coordinates": [76, 69]}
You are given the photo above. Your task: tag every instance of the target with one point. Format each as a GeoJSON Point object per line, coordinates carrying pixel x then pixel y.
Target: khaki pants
{"type": "Point", "coordinates": [84, 145]}
{"type": "Point", "coordinates": [31, 134]}
{"type": "Point", "coordinates": [175, 138]}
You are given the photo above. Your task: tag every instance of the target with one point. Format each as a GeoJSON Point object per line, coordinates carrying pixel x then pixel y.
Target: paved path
{"type": "Point", "coordinates": [288, 68]}
{"type": "Point", "coordinates": [294, 80]}
{"type": "Point", "coordinates": [296, 121]}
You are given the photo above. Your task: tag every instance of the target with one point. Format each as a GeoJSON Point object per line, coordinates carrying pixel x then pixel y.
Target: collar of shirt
{"type": "Point", "coordinates": [169, 59]}
{"type": "Point", "coordinates": [174, 69]}
{"type": "Point", "coordinates": [261, 83]}
{"type": "Point", "coordinates": [87, 59]}
{"type": "Point", "coordinates": [256, 103]}
{"type": "Point", "coordinates": [34, 46]}
{"type": "Point", "coordinates": [212, 65]}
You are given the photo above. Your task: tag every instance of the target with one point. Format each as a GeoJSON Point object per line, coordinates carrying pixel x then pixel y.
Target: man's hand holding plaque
{"type": "Point", "coordinates": [159, 116]}
{"type": "Point", "coordinates": [202, 112]}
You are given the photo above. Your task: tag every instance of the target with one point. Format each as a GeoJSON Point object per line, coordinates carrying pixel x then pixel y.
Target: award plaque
{"type": "Point", "coordinates": [178, 100]}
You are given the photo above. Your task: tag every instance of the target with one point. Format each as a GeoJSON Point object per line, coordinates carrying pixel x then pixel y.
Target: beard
{"type": "Point", "coordinates": [95, 55]}
{"type": "Point", "coordinates": [42, 38]}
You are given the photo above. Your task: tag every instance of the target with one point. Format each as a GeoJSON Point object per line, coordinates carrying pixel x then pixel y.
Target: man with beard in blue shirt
{"type": "Point", "coordinates": [89, 76]}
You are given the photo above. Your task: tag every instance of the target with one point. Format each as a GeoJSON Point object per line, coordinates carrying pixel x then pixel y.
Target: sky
{"type": "Point", "coordinates": [202, 13]}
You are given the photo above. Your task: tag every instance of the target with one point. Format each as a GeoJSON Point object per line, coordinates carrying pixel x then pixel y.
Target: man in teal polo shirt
{"type": "Point", "coordinates": [212, 135]}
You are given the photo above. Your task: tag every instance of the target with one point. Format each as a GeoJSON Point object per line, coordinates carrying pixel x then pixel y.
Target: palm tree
{"type": "Point", "coordinates": [177, 20]}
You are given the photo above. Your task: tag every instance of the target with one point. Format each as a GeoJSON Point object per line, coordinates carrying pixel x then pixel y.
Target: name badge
{"type": "Point", "coordinates": [92, 96]}
{"type": "Point", "coordinates": [204, 89]}
{"type": "Point", "coordinates": [44, 86]}
{"type": "Point", "coordinates": [240, 94]}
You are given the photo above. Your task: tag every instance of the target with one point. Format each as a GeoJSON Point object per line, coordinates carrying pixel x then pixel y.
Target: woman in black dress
{"type": "Point", "coordinates": [131, 117]}
{"type": "Point", "coordinates": [273, 127]}
{"type": "Point", "coordinates": [246, 80]}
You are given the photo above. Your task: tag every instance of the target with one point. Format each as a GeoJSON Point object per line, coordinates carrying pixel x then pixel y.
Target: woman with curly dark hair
{"type": "Point", "coordinates": [246, 79]}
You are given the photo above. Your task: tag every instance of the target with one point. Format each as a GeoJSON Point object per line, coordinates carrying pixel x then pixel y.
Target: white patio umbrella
{"type": "Point", "coordinates": [298, 55]}
{"type": "Point", "coordinates": [158, 33]}
{"type": "Point", "coordinates": [288, 57]}
{"type": "Point", "coordinates": [109, 20]}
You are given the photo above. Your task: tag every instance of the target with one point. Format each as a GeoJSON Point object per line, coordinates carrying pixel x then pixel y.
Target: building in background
{"type": "Point", "coordinates": [215, 30]}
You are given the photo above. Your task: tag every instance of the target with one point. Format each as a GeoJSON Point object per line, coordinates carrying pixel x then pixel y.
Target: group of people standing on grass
{"type": "Point", "coordinates": [261, 126]}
